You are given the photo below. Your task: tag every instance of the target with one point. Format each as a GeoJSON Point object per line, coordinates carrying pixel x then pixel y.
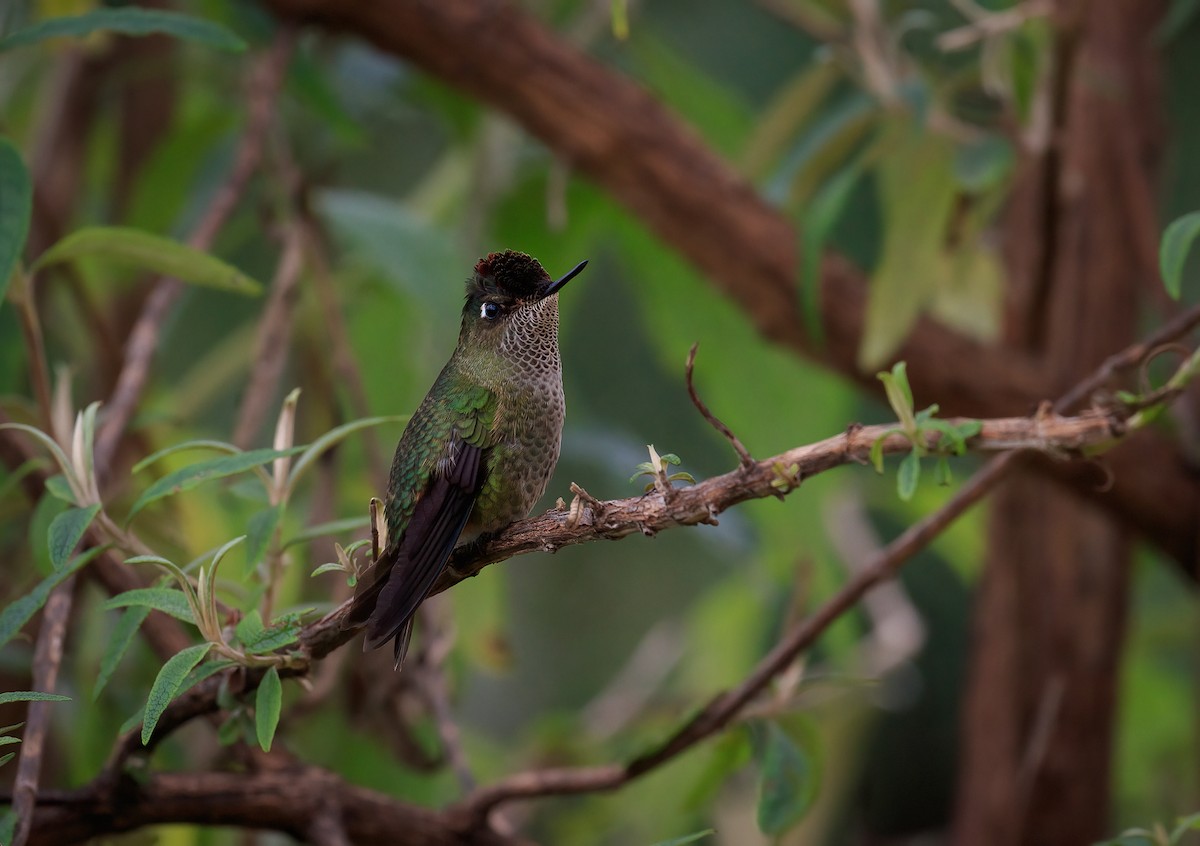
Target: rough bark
{"type": "Point", "coordinates": [1050, 617]}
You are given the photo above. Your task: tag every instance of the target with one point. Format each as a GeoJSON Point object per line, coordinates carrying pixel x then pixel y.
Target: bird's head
{"type": "Point", "coordinates": [512, 305]}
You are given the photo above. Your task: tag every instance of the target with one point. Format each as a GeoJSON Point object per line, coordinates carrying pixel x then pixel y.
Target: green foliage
{"type": "Point", "coordinates": [916, 426]}
{"type": "Point", "coordinates": [694, 837]}
{"type": "Point", "coordinates": [168, 683]}
{"type": "Point", "coordinates": [118, 643]}
{"type": "Point", "coordinates": [1173, 251]}
{"type": "Point", "coordinates": [66, 530]}
{"type": "Point", "coordinates": [267, 704]}
{"type": "Point", "coordinates": [168, 601]}
{"type": "Point", "coordinates": [30, 696]}
{"type": "Point", "coordinates": [16, 203]}
{"type": "Point", "coordinates": [21, 696]}
{"type": "Point", "coordinates": [657, 466]}
{"type": "Point", "coordinates": [127, 21]}
{"type": "Point", "coordinates": [17, 614]}
{"type": "Point", "coordinates": [1157, 836]}
{"type": "Point", "coordinates": [147, 251]}
{"type": "Point", "coordinates": [789, 781]}
{"type": "Point", "coordinates": [194, 475]}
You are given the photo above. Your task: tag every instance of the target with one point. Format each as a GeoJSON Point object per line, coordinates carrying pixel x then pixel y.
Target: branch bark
{"type": "Point", "coordinates": [301, 801]}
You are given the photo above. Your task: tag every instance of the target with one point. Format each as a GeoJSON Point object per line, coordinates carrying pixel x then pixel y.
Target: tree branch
{"type": "Point", "coordinates": [609, 128]}
{"type": "Point", "coordinates": [308, 803]}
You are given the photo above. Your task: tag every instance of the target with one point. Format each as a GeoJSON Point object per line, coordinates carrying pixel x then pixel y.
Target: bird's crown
{"type": "Point", "coordinates": [507, 274]}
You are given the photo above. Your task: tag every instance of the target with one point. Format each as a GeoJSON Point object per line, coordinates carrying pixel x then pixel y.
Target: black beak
{"type": "Point", "coordinates": [556, 286]}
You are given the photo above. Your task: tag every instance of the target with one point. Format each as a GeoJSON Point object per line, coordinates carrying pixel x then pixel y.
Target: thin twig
{"type": "Point", "coordinates": [266, 80]}
{"type": "Point", "coordinates": [744, 457]}
{"type": "Point", "coordinates": [272, 346]}
{"type": "Point", "coordinates": [47, 658]}
{"type": "Point", "coordinates": [345, 364]}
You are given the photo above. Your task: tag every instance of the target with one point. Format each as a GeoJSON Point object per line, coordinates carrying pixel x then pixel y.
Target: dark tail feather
{"type": "Point", "coordinates": [403, 641]}
{"type": "Point", "coordinates": [366, 595]}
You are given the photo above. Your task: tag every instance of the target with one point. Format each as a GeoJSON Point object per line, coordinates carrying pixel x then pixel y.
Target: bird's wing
{"type": "Point", "coordinates": [414, 560]}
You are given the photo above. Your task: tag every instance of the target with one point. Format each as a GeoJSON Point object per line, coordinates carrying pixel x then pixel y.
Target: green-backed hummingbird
{"type": "Point", "coordinates": [480, 449]}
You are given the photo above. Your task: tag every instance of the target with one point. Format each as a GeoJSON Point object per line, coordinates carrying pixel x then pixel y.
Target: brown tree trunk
{"type": "Point", "coordinates": [1050, 612]}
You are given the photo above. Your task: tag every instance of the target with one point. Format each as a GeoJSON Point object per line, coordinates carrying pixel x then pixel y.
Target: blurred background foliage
{"type": "Point", "coordinates": [586, 655]}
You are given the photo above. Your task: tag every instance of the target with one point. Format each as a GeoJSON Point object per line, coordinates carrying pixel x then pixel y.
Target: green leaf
{"type": "Point", "coordinates": [19, 612]}
{"type": "Point", "coordinates": [16, 204]}
{"type": "Point", "coordinates": [983, 163]}
{"type": "Point", "coordinates": [943, 476]}
{"type": "Point", "coordinates": [900, 397]}
{"type": "Point", "coordinates": [266, 708]}
{"type": "Point", "coordinates": [259, 530]}
{"type": "Point", "coordinates": [31, 696]}
{"type": "Point", "coordinates": [788, 783]}
{"type": "Point", "coordinates": [688, 838]}
{"type": "Point", "coordinates": [128, 21]}
{"type": "Point", "coordinates": [66, 530]}
{"type": "Point", "coordinates": [194, 475]}
{"type": "Point", "coordinates": [1173, 251]}
{"type": "Point", "coordinates": [4, 759]}
{"type": "Point", "coordinates": [909, 475]}
{"type": "Point", "coordinates": [8, 741]}
{"type": "Point", "coordinates": [327, 568]}
{"type": "Point", "coordinates": [167, 684]}
{"type": "Point", "coordinates": [333, 527]}
{"type": "Point", "coordinates": [167, 600]}
{"type": "Point", "coordinates": [816, 224]}
{"type": "Point", "coordinates": [283, 631]}
{"type": "Point", "coordinates": [1182, 826]}
{"type": "Point", "coordinates": [221, 446]}
{"type": "Point", "coordinates": [151, 252]}
{"type": "Point", "coordinates": [250, 628]}
{"type": "Point", "coordinates": [332, 437]}
{"type": "Point", "coordinates": [56, 452]}
{"type": "Point", "coordinates": [118, 643]}
{"type": "Point", "coordinates": [58, 487]}
{"type": "Point", "coordinates": [877, 452]}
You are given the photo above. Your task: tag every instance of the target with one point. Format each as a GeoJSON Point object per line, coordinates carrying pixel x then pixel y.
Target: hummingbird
{"type": "Point", "coordinates": [479, 451]}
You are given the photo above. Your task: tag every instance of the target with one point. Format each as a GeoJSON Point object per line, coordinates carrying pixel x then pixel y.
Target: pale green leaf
{"type": "Point", "coordinates": [20, 611]}
{"type": "Point", "coordinates": [259, 530]}
{"type": "Point", "coordinates": [31, 696]}
{"type": "Point", "coordinates": [66, 530]}
{"type": "Point", "coordinates": [334, 527]}
{"type": "Point", "coordinates": [56, 452]}
{"type": "Point", "coordinates": [908, 476]}
{"type": "Point", "coordinates": [688, 838]}
{"type": "Point", "coordinates": [787, 783]}
{"type": "Point", "coordinates": [170, 678]}
{"type": "Point", "coordinates": [118, 642]}
{"type": "Point", "coordinates": [917, 193]}
{"type": "Point", "coordinates": [328, 568]}
{"type": "Point", "coordinates": [220, 446]}
{"type": "Point", "coordinates": [128, 21]}
{"type": "Point", "coordinates": [314, 450]}
{"type": "Point", "coordinates": [167, 600]}
{"type": "Point", "coordinates": [58, 488]}
{"type": "Point", "coordinates": [194, 475]}
{"type": "Point", "coordinates": [267, 705]}
{"type": "Point", "coordinates": [16, 204]}
{"type": "Point", "coordinates": [1174, 249]}
{"type": "Point", "coordinates": [149, 252]}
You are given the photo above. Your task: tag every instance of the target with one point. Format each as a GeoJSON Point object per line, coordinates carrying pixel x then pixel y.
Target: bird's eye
{"type": "Point", "coordinates": [489, 311]}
